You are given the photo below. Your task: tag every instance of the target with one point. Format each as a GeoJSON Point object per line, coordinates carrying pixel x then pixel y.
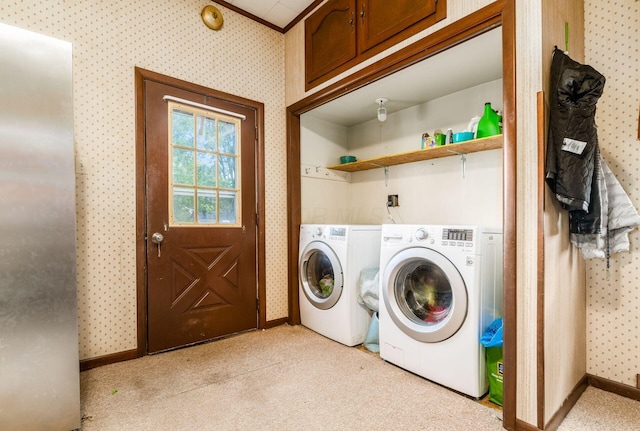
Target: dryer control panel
{"type": "Point", "coordinates": [337, 232]}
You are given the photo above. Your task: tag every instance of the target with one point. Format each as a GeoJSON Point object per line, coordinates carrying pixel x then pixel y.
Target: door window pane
{"type": "Point", "coordinates": [207, 211]}
{"type": "Point", "coordinates": [183, 205]}
{"type": "Point", "coordinates": [182, 128]}
{"type": "Point", "coordinates": [206, 133]}
{"type": "Point", "coordinates": [227, 133]}
{"type": "Point", "coordinates": [228, 208]}
{"type": "Point", "coordinates": [228, 172]}
{"type": "Point", "coordinates": [204, 167]}
{"type": "Point", "coordinates": [183, 166]}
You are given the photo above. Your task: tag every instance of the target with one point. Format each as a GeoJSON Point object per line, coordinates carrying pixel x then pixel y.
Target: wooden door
{"type": "Point", "coordinates": [200, 218]}
{"type": "Point", "coordinates": [330, 38]}
{"type": "Point", "coordinates": [379, 20]}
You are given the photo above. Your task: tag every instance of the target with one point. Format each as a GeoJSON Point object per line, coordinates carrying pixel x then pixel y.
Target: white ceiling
{"type": "Point", "coordinates": [278, 12]}
{"type": "Point", "coordinates": [437, 76]}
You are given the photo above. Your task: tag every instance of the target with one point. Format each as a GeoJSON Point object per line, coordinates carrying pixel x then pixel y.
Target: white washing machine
{"type": "Point", "coordinates": [440, 288]}
{"type": "Point", "coordinates": [330, 261]}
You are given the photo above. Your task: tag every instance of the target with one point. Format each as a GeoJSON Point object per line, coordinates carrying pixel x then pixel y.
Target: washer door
{"type": "Point", "coordinates": [425, 295]}
{"type": "Point", "coordinates": [320, 275]}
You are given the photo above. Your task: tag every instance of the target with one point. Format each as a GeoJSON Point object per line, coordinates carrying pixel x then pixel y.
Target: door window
{"type": "Point", "coordinates": [204, 168]}
{"type": "Point", "coordinates": [423, 293]}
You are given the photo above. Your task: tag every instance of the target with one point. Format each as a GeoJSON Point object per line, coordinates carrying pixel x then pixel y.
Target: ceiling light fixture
{"type": "Point", "coordinates": [212, 17]}
{"type": "Point", "coordinates": [382, 111]}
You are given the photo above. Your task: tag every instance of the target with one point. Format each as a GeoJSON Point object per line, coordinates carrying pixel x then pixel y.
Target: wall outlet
{"type": "Point", "coordinates": [392, 201]}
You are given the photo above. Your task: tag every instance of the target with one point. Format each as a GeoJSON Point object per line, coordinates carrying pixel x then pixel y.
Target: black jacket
{"type": "Point", "coordinates": [572, 146]}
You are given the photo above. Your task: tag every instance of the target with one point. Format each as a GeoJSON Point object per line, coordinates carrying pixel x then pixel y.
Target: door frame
{"type": "Point", "coordinates": [142, 75]}
{"type": "Point", "coordinates": [500, 13]}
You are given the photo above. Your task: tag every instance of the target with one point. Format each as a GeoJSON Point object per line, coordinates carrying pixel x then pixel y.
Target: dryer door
{"type": "Point", "coordinates": [424, 294]}
{"type": "Point", "coordinates": [320, 275]}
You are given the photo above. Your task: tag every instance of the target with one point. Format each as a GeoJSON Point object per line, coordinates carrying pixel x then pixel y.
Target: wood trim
{"type": "Point", "coordinates": [141, 271]}
{"type": "Point", "coordinates": [288, 27]}
{"type": "Point", "coordinates": [262, 217]}
{"type": "Point", "coordinates": [523, 426]}
{"type": "Point", "coordinates": [540, 253]}
{"type": "Point", "coordinates": [621, 389]}
{"type": "Point", "coordinates": [510, 298]}
{"type": "Point", "coordinates": [141, 261]}
{"type": "Point", "coordinates": [302, 15]}
{"type": "Point", "coordinates": [248, 15]}
{"type": "Point", "coordinates": [294, 212]}
{"type": "Point", "coordinates": [274, 323]}
{"type": "Point", "coordinates": [567, 405]}
{"type": "Point", "coordinates": [87, 364]}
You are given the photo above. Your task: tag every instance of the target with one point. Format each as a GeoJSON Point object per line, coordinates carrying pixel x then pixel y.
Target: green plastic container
{"type": "Point", "coordinates": [490, 123]}
{"type": "Point", "coordinates": [495, 369]}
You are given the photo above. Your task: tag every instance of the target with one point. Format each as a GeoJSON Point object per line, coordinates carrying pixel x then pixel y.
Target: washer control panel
{"type": "Point", "coordinates": [457, 237]}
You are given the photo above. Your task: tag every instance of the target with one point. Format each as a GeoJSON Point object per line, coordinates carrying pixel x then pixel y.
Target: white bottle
{"type": "Point", "coordinates": [473, 125]}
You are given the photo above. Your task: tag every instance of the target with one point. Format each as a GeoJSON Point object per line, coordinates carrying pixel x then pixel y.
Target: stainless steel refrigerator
{"type": "Point", "coordinates": [39, 368]}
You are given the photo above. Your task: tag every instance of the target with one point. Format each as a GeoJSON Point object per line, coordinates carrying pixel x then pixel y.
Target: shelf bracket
{"type": "Point", "coordinates": [386, 176]}
{"type": "Point", "coordinates": [463, 159]}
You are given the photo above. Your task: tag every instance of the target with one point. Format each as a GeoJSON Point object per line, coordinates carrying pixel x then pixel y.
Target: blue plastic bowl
{"type": "Point", "coordinates": [462, 136]}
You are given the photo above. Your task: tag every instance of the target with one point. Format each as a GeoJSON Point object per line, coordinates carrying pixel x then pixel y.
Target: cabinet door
{"type": "Point", "coordinates": [330, 38]}
{"type": "Point", "coordinates": [379, 20]}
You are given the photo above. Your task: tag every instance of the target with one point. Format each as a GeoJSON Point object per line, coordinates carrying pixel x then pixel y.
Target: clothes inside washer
{"type": "Point", "coordinates": [320, 275]}
{"type": "Point", "coordinates": [427, 294]}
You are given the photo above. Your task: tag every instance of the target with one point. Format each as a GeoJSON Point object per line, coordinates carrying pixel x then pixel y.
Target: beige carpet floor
{"type": "Point", "coordinates": [289, 378]}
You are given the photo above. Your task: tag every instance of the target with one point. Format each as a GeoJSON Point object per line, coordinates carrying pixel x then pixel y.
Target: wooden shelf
{"type": "Point", "coordinates": [482, 144]}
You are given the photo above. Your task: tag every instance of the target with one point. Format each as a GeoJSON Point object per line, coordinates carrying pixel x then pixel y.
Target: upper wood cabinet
{"type": "Point", "coordinates": [342, 33]}
{"type": "Point", "coordinates": [330, 38]}
{"type": "Point", "coordinates": [380, 19]}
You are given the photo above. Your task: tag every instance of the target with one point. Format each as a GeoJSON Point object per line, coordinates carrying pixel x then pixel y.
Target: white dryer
{"type": "Point", "coordinates": [441, 287]}
{"type": "Point", "coordinates": [330, 261]}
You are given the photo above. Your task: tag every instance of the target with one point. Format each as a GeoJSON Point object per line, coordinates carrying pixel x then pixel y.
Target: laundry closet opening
{"type": "Point", "coordinates": [437, 89]}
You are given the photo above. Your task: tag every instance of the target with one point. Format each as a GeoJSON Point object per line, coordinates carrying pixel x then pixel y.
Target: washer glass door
{"type": "Point", "coordinates": [320, 275]}
{"type": "Point", "coordinates": [425, 294]}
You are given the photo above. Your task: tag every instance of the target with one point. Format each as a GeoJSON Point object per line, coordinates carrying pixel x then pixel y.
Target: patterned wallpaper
{"type": "Point", "coordinates": [109, 39]}
{"type": "Point", "coordinates": [612, 46]}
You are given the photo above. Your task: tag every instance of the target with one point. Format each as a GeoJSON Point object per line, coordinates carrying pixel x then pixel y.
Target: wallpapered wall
{"type": "Point", "coordinates": [109, 39]}
{"type": "Point", "coordinates": [612, 46]}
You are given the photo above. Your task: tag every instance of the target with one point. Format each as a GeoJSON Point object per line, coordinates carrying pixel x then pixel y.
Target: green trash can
{"type": "Point", "coordinates": [492, 341]}
{"type": "Point", "coordinates": [495, 370]}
